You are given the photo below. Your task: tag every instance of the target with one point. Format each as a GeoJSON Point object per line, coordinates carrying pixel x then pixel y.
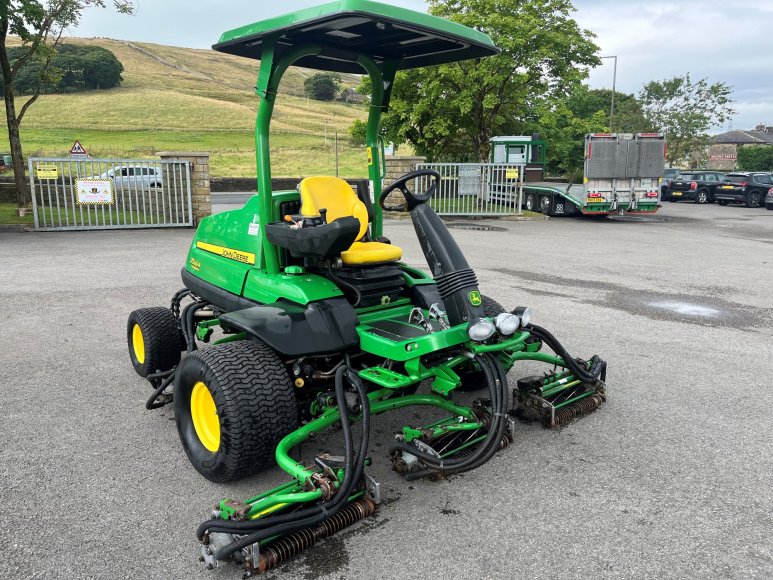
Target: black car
{"type": "Point", "coordinates": [769, 199]}
{"type": "Point", "coordinates": [698, 186]}
{"type": "Point", "coordinates": [747, 188]}
{"type": "Point", "coordinates": [668, 175]}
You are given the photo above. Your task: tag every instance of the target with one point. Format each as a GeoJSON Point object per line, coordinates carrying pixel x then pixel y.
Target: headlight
{"type": "Point", "coordinates": [481, 330]}
{"type": "Point", "coordinates": [524, 313]}
{"type": "Point", "coordinates": [507, 323]}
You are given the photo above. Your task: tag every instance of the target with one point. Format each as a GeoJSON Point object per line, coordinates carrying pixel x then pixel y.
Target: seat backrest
{"type": "Point", "coordinates": [336, 196]}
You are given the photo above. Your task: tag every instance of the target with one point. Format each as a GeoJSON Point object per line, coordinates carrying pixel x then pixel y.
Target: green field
{"type": "Point", "coordinates": [192, 99]}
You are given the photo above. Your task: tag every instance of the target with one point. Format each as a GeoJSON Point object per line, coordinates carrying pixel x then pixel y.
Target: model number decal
{"type": "Point", "coordinates": [230, 253]}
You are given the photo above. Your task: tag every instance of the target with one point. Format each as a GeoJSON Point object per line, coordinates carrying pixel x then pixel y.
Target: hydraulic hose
{"type": "Point", "coordinates": [497, 383]}
{"type": "Point", "coordinates": [598, 367]}
{"type": "Point", "coordinates": [284, 524]}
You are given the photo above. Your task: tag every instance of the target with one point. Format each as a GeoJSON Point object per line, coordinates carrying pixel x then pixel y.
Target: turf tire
{"type": "Point", "coordinates": [161, 337]}
{"type": "Point", "coordinates": [255, 403]}
{"type": "Point", "coordinates": [472, 380]}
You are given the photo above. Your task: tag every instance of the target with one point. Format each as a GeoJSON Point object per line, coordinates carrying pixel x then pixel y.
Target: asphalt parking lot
{"type": "Point", "coordinates": [672, 478]}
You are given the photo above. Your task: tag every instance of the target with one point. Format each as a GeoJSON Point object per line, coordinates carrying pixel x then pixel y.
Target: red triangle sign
{"type": "Point", "coordinates": [77, 150]}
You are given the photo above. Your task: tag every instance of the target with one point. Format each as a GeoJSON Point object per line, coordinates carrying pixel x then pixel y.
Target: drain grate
{"type": "Point", "coordinates": [476, 227]}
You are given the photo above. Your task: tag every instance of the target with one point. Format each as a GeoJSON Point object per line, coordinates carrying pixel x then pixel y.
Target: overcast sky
{"type": "Point", "coordinates": [729, 40]}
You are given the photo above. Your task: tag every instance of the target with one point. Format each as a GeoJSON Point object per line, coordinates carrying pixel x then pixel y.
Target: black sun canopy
{"type": "Point", "coordinates": [348, 28]}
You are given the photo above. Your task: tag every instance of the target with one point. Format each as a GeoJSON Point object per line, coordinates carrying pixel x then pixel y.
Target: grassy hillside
{"type": "Point", "coordinates": [192, 99]}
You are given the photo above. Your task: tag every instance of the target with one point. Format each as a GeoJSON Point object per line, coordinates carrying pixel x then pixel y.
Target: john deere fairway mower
{"type": "Point", "coordinates": [324, 326]}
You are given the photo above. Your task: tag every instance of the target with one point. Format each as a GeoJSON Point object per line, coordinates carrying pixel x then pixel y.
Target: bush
{"type": "Point", "coordinates": [755, 158]}
{"type": "Point", "coordinates": [322, 86]}
{"type": "Point", "coordinates": [358, 133]}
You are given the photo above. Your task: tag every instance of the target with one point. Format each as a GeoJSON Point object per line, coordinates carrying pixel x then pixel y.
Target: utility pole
{"type": "Point", "coordinates": [612, 108]}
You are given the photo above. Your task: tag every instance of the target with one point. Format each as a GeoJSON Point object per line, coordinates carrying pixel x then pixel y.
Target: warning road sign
{"type": "Point", "coordinates": [77, 150]}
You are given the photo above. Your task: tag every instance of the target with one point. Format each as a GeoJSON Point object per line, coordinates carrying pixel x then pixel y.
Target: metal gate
{"type": "Point", "coordinates": [476, 189]}
{"type": "Point", "coordinates": [98, 194]}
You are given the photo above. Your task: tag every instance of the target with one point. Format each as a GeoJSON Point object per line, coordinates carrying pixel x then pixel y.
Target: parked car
{"type": "Point", "coordinates": [769, 199]}
{"type": "Point", "coordinates": [134, 177]}
{"type": "Point", "coordinates": [744, 187]}
{"type": "Point", "coordinates": [668, 174]}
{"type": "Point", "coordinates": [698, 186]}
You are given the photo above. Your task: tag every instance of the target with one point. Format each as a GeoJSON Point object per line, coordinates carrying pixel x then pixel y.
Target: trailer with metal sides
{"type": "Point", "coordinates": [622, 174]}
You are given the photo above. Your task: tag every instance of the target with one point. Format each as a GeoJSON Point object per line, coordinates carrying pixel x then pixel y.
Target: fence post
{"type": "Point", "coordinates": [200, 181]}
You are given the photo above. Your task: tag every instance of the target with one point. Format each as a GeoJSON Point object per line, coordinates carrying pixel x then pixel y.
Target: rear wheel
{"type": "Point", "coordinates": [753, 199]}
{"type": "Point", "coordinates": [531, 202]}
{"type": "Point", "coordinates": [472, 378]}
{"type": "Point", "coordinates": [233, 403]}
{"type": "Point", "coordinates": [545, 204]}
{"type": "Point", "coordinates": [153, 335]}
{"type": "Point", "coordinates": [702, 197]}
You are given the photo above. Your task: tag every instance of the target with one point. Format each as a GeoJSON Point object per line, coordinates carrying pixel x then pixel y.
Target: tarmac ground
{"type": "Point", "coordinates": [671, 478]}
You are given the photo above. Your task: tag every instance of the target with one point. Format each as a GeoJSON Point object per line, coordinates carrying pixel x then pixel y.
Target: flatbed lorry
{"type": "Point", "coordinates": [622, 175]}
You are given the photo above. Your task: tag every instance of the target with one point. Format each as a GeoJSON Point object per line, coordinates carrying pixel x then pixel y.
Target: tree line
{"type": "Point", "coordinates": [72, 68]}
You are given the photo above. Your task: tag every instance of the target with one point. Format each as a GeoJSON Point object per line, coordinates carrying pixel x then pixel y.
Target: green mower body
{"type": "Point", "coordinates": [323, 324]}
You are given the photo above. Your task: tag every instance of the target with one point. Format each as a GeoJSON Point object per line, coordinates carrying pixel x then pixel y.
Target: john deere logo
{"type": "Point", "coordinates": [475, 298]}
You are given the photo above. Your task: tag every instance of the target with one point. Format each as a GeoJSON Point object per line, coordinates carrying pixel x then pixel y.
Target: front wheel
{"type": "Point", "coordinates": [233, 403]}
{"type": "Point", "coordinates": [753, 199]}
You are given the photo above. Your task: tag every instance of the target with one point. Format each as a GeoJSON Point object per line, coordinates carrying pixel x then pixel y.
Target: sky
{"type": "Point", "coordinates": [729, 41]}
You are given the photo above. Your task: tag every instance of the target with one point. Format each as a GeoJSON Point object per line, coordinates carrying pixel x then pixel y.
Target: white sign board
{"type": "Point", "coordinates": [93, 191]}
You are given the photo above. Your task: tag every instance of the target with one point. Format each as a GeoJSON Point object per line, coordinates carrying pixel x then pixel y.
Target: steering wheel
{"type": "Point", "coordinates": [411, 199]}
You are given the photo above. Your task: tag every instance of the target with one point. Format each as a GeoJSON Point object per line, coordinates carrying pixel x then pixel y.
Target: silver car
{"type": "Point", "coordinates": [137, 177]}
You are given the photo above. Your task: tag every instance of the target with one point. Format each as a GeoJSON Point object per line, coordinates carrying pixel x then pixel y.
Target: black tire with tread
{"type": "Point", "coordinates": [472, 380]}
{"type": "Point", "coordinates": [161, 335]}
{"type": "Point", "coordinates": [256, 406]}
{"type": "Point", "coordinates": [531, 202]}
{"type": "Point", "coordinates": [753, 199]}
{"type": "Point", "coordinates": [546, 204]}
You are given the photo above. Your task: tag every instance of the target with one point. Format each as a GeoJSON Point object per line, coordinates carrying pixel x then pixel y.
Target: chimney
{"type": "Point", "coordinates": [760, 127]}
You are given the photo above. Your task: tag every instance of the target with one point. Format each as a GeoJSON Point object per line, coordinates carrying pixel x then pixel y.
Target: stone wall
{"type": "Point", "coordinates": [397, 166]}
{"type": "Point", "coordinates": [200, 183]}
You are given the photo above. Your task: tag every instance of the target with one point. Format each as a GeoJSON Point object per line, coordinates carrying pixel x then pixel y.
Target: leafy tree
{"type": "Point", "coordinates": [685, 111]}
{"type": "Point", "coordinates": [755, 158]}
{"type": "Point", "coordinates": [39, 25]}
{"type": "Point", "coordinates": [357, 132]}
{"type": "Point", "coordinates": [629, 117]}
{"type": "Point", "coordinates": [451, 111]}
{"type": "Point", "coordinates": [72, 68]}
{"type": "Point", "coordinates": [322, 86]}
{"type": "Point", "coordinates": [564, 131]}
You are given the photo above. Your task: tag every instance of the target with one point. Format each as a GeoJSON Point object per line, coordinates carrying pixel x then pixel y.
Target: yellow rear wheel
{"type": "Point", "coordinates": [204, 417]}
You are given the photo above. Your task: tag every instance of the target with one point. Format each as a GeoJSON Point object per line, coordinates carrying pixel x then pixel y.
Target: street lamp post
{"type": "Point", "coordinates": [612, 108]}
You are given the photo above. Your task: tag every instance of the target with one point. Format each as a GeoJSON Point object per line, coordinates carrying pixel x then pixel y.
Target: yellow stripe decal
{"type": "Point", "coordinates": [230, 253]}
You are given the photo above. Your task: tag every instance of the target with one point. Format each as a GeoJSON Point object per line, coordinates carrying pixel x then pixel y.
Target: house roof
{"type": "Point", "coordinates": [739, 137]}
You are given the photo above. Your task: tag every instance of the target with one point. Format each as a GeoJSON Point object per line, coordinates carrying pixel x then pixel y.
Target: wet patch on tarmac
{"type": "Point", "coordinates": [687, 308]}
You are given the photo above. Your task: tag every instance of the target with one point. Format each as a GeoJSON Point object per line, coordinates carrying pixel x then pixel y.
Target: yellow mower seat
{"type": "Point", "coordinates": [337, 196]}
